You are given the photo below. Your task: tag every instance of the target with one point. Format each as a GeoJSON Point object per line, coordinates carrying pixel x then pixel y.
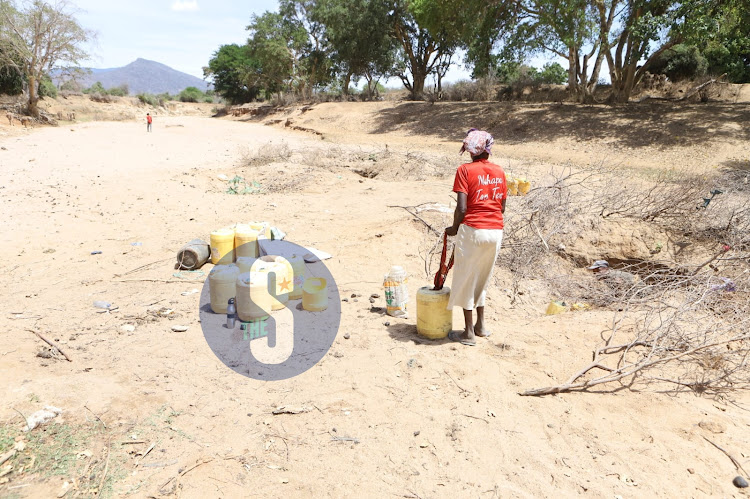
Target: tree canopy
{"type": "Point", "coordinates": [38, 37]}
{"type": "Point", "coordinates": [309, 44]}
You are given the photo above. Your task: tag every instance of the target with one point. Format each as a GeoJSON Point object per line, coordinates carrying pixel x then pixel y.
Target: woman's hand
{"type": "Point", "coordinates": [451, 231]}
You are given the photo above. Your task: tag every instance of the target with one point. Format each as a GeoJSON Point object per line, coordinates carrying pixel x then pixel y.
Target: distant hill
{"type": "Point", "coordinates": [141, 76]}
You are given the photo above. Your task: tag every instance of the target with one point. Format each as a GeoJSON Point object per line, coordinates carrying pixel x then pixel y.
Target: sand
{"type": "Point", "coordinates": [430, 419]}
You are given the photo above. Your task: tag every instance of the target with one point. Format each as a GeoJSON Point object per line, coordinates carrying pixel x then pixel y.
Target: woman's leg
{"type": "Point", "coordinates": [479, 326]}
{"type": "Point", "coordinates": [469, 329]}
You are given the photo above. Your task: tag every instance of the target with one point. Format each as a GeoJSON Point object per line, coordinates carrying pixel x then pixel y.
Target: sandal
{"type": "Point", "coordinates": [456, 336]}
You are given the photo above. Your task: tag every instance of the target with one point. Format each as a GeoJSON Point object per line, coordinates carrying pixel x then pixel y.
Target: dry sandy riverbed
{"type": "Point", "coordinates": [430, 418]}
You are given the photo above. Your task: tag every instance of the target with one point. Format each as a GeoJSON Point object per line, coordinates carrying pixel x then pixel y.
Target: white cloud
{"type": "Point", "coordinates": [185, 5]}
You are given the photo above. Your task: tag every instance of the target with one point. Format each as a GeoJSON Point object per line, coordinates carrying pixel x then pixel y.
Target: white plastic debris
{"type": "Point", "coordinates": [316, 255]}
{"type": "Point", "coordinates": [42, 416]}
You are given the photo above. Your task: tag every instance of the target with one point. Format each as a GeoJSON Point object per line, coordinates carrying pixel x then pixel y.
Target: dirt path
{"type": "Point", "coordinates": [429, 418]}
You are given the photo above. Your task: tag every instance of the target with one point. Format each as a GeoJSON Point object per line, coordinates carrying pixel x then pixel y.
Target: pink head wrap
{"type": "Point", "coordinates": [477, 142]}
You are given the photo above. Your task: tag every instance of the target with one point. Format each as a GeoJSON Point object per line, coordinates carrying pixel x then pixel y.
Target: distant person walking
{"type": "Point", "coordinates": [149, 120]}
{"type": "Point", "coordinates": [478, 223]}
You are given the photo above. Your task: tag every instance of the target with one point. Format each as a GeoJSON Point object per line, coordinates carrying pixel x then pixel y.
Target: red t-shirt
{"type": "Point", "coordinates": [484, 185]}
{"type": "Point", "coordinates": [148, 118]}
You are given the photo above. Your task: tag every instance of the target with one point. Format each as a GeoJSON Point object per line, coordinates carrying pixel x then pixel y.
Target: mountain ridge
{"type": "Point", "coordinates": [141, 76]}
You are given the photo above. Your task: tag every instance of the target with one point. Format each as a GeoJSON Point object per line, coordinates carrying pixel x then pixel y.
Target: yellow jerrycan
{"type": "Point", "coordinates": [434, 319]}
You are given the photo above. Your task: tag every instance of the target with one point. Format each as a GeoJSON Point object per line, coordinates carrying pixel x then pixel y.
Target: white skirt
{"type": "Point", "coordinates": [476, 252]}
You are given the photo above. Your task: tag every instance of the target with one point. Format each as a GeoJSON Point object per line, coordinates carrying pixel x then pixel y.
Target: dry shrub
{"type": "Point", "coordinates": [681, 325]}
{"type": "Point", "coordinates": [483, 89]}
{"type": "Point", "coordinates": [97, 97]}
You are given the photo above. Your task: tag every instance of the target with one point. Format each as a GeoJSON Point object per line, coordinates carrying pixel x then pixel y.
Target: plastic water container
{"type": "Point", "coordinates": [245, 241]}
{"type": "Point", "coordinates": [434, 319]}
{"type": "Point", "coordinates": [556, 307]}
{"type": "Point", "coordinates": [222, 246]}
{"type": "Point", "coordinates": [245, 263]}
{"type": "Point", "coordinates": [299, 269]}
{"type": "Point", "coordinates": [253, 300]}
{"type": "Point", "coordinates": [315, 294]}
{"type": "Point", "coordinates": [221, 282]}
{"type": "Point", "coordinates": [283, 280]}
{"type": "Point", "coordinates": [524, 186]}
{"type": "Point", "coordinates": [262, 228]}
{"type": "Point", "coordinates": [396, 292]}
{"type": "Point", "coordinates": [512, 187]}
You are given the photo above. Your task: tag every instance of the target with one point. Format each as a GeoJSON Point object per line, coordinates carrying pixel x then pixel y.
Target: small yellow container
{"type": "Point", "coordinates": [434, 319]}
{"type": "Point", "coordinates": [284, 281]}
{"type": "Point", "coordinates": [221, 285]}
{"type": "Point", "coordinates": [222, 246]}
{"type": "Point", "coordinates": [262, 228]}
{"type": "Point", "coordinates": [556, 307]}
{"type": "Point", "coordinates": [253, 300]}
{"type": "Point", "coordinates": [299, 269]}
{"type": "Point", "coordinates": [315, 294]}
{"type": "Point", "coordinates": [523, 186]}
{"type": "Point", "coordinates": [245, 241]}
{"type": "Point", "coordinates": [512, 187]}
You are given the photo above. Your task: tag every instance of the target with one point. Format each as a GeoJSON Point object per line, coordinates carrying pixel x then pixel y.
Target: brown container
{"type": "Point", "coordinates": [193, 255]}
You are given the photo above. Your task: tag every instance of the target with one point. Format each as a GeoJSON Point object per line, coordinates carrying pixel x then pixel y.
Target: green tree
{"type": "Point", "coordinates": [96, 88]}
{"type": "Point", "coordinates": [723, 37]}
{"type": "Point", "coordinates": [11, 79]}
{"type": "Point", "coordinates": [359, 35]}
{"type": "Point", "coordinates": [47, 88]}
{"type": "Point", "coordinates": [422, 51]}
{"type": "Point", "coordinates": [39, 38]}
{"type": "Point", "coordinates": [553, 73]}
{"type": "Point", "coordinates": [191, 94]}
{"type": "Point", "coordinates": [278, 45]}
{"type": "Point", "coordinates": [315, 65]}
{"type": "Point", "coordinates": [231, 71]}
{"type": "Point", "coordinates": [680, 62]}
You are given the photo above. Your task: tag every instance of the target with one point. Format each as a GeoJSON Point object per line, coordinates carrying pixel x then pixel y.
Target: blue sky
{"type": "Point", "coordinates": [183, 34]}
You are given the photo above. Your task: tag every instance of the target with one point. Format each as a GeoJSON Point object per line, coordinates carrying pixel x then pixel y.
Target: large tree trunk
{"type": "Point", "coordinates": [417, 85]}
{"type": "Point", "coordinates": [33, 108]}
{"type": "Point", "coordinates": [345, 83]}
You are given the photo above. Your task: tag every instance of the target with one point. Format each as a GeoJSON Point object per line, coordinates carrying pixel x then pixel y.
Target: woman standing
{"type": "Point", "coordinates": [478, 223]}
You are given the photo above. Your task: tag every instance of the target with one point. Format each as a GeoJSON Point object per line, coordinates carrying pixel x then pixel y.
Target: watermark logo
{"type": "Point", "coordinates": [263, 343]}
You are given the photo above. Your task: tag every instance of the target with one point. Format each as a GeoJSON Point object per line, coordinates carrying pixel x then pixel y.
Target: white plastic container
{"type": "Point", "coordinates": [396, 292]}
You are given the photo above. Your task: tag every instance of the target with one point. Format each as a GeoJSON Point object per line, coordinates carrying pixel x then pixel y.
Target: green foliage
{"type": "Point", "coordinates": [96, 88]}
{"type": "Point", "coordinates": [553, 73]}
{"type": "Point", "coordinates": [510, 73]}
{"type": "Point", "coordinates": [119, 91]}
{"type": "Point", "coordinates": [359, 35]}
{"type": "Point", "coordinates": [149, 99]}
{"type": "Point", "coordinates": [231, 70]}
{"type": "Point", "coordinates": [191, 94]}
{"type": "Point", "coordinates": [47, 88]}
{"type": "Point", "coordinates": [11, 81]}
{"type": "Point", "coordinates": [239, 186]}
{"type": "Point", "coordinates": [278, 44]}
{"type": "Point", "coordinates": [721, 31]}
{"type": "Point", "coordinates": [680, 62]}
